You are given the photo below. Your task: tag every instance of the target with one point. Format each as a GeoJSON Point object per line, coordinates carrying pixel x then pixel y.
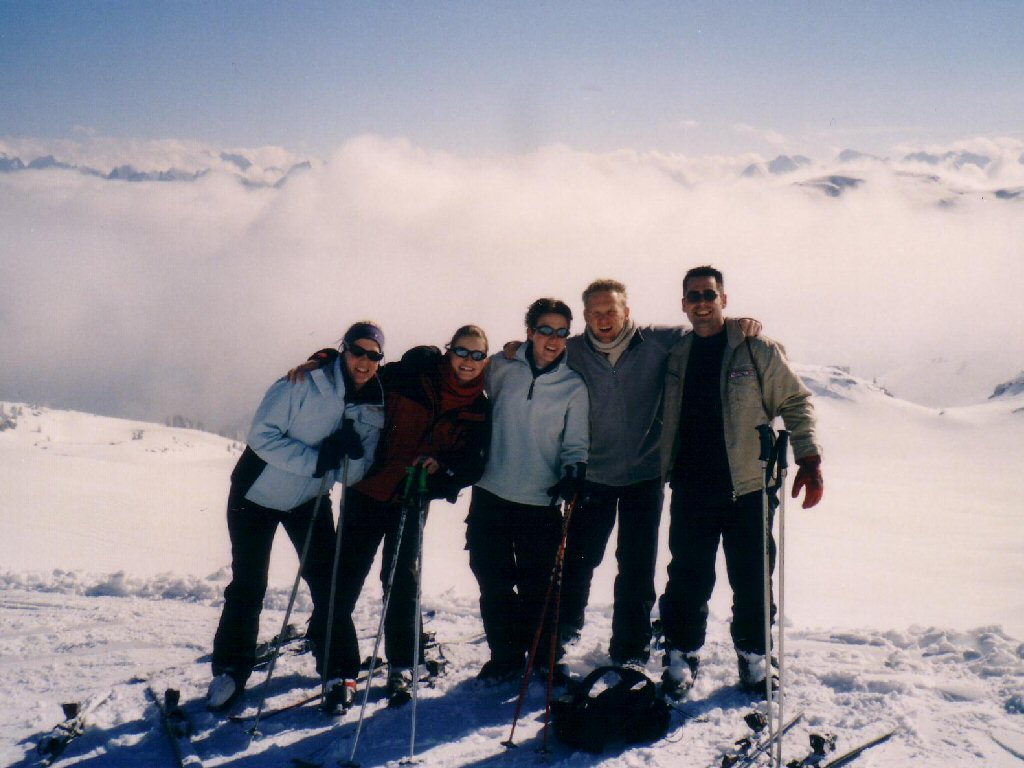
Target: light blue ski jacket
{"type": "Point", "coordinates": [538, 427]}
{"type": "Point", "coordinates": [289, 426]}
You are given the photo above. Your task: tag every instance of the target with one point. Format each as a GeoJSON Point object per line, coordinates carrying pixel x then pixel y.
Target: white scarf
{"type": "Point", "coordinates": [613, 349]}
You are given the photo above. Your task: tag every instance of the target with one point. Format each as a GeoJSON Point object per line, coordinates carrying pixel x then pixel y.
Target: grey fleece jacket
{"type": "Point", "coordinates": [742, 406]}
{"type": "Point", "coordinates": [625, 404]}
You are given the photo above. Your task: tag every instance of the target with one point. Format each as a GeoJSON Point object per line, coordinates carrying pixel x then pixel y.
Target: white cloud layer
{"type": "Point", "coordinates": [153, 299]}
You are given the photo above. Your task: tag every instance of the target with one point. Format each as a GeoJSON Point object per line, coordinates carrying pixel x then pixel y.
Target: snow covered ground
{"type": "Point", "coordinates": [903, 600]}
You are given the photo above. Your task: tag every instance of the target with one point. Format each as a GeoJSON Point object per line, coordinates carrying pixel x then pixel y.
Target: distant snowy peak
{"type": "Point", "coordinates": [1016, 193]}
{"type": "Point", "coordinates": [241, 162]}
{"type": "Point", "coordinates": [958, 159]}
{"type": "Point", "coordinates": [944, 178]}
{"type": "Point", "coordinates": [853, 156]}
{"type": "Point", "coordinates": [1011, 388]}
{"type": "Point", "coordinates": [234, 164]}
{"type": "Point", "coordinates": [68, 432]}
{"type": "Point", "coordinates": [836, 382]}
{"type": "Point", "coordinates": [9, 164]}
{"type": "Point", "coordinates": [834, 185]}
{"type": "Point", "coordinates": [129, 173]}
{"type": "Point", "coordinates": [780, 165]}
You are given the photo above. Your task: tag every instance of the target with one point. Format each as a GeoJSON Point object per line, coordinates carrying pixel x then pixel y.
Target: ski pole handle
{"type": "Point", "coordinates": [767, 435]}
{"type": "Point", "coordinates": [782, 450]}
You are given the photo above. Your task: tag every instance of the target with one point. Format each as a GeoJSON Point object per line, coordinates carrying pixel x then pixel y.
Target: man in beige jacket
{"type": "Point", "coordinates": [718, 388]}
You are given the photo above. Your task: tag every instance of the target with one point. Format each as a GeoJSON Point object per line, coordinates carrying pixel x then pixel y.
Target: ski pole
{"type": "Point", "coordinates": [781, 462]}
{"type": "Point", "coordinates": [421, 496]}
{"type": "Point", "coordinates": [254, 731]}
{"type": "Point", "coordinates": [559, 568]}
{"type": "Point", "coordinates": [767, 436]}
{"type": "Point", "coordinates": [556, 569]}
{"type": "Point", "coordinates": [334, 582]}
{"type": "Point", "coordinates": [406, 498]}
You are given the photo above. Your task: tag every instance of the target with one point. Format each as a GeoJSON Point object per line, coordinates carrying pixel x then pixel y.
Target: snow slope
{"type": "Point", "coordinates": [903, 600]}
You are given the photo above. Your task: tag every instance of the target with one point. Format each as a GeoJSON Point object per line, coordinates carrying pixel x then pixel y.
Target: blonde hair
{"type": "Point", "coordinates": [470, 330]}
{"type": "Point", "coordinates": [603, 285]}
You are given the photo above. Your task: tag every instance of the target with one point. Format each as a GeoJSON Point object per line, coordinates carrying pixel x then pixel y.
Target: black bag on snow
{"type": "Point", "coordinates": [610, 703]}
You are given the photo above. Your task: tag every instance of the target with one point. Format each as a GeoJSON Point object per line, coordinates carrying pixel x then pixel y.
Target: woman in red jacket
{"type": "Point", "coordinates": [437, 417]}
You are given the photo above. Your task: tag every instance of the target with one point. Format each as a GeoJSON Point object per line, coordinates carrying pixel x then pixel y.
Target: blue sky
{"type": "Point", "coordinates": [694, 78]}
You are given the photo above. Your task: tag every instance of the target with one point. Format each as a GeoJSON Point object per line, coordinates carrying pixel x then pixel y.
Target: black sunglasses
{"type": "Point", "coordinates": [547, 330]}
{"type": "Point", "coordinates": [706, 295]}
{"type": "Point", "coordinates": [357, 351]}
{"type": "Point", "coordinates": [473, 354]}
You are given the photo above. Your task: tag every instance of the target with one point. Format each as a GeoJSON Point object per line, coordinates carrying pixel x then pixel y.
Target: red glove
{"type": "Point", "coordinates": [809, 477]}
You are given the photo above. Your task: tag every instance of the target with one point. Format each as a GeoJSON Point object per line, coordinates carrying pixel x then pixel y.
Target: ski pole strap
{"type": "Point", "coordinates": [772, 447]}
{"type": "Point", "coordinates": [775, 467]}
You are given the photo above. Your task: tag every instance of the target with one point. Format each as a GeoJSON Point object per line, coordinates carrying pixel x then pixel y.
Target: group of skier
{"type": "Point", "coordinates": [599, 421]}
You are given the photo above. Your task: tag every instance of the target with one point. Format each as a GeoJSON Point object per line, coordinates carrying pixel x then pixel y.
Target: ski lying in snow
{"type": "Point", "coordinates": [853, 754]}
{"type": "Point", "coordinates": [177, 727]}
{"type": "Point", "coordinates": [748, 748]}
{"type": "Point", "coordinates": [822, 744]}
{"type": "Point", "coordinates": [433, 667]}
{"type": "Point", "coordinates": [51, 746]}
{"type": "Point", "coordinates": [269, 713]}
{"type": "Point", "coordinates": [1015, 752]}
{"type": "Point", "coordinates": [292, 638]}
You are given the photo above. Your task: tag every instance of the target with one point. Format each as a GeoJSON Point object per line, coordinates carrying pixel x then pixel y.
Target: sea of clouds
{"type": "Point", "coordinates": [154, 299]}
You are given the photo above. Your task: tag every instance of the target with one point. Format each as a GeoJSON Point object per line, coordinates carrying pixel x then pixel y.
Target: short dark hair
{"type": "Point", "coordinates": [704, 271]}
{"type": "Point", "coordinates": [604, 285]}
{"type": "Point", "coordinates": [547, 306]}
{"type": "Point", "coordinates": [470, 330]}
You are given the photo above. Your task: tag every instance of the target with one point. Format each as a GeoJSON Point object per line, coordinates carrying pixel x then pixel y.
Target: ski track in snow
{"type": "Point", "coordinates": [950, 694]}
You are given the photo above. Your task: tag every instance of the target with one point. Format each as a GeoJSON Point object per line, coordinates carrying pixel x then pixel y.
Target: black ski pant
{"type": "Point", "coordinates": [639, 511]}
{"type": "Point", "coordinates": [512, 549]}
{"type": "Point", "coordinates": [252, 529]}
{"type": "Point", "coordinates": [365, 523]}
{"type": "Point", "coordinates": [699, 521]}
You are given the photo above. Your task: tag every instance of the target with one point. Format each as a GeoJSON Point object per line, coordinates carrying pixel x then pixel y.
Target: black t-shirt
{"type": "Point", "coordinates": [702, 462]}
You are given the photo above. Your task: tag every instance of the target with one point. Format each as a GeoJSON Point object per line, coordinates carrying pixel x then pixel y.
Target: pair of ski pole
{"type": "Point", "coordinates": [321, 492]}
{"type": "Point", "coordinates": [275, 652]}
{"type": "Point", "coordinates": [555, 589]}
{"type": "Point", "coordinates": [773, 457]}
{"type": "Point", "coordinates": [414, 494]}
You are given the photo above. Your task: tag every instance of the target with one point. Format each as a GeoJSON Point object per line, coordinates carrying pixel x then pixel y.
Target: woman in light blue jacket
{"type": "Point", "coordinates": [300, 436]}
{"type": "Point", "coordinates": [538, 452]}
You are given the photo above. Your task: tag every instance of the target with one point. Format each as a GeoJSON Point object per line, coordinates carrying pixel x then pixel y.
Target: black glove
{"type": "Point", "coordinates": [443, 485]}
{"type": "Point", "coordinates": [571, 485]}
{"type": "Point", "coordinates": [343, 443]}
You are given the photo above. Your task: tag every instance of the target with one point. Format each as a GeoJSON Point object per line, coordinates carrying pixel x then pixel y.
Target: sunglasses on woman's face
{"type": "Point", "coordinates": [547, 330]}
{"type": "Point", "coordinates": [473, 354]}
{"type": "Point", "coordinates": [357, 351]}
